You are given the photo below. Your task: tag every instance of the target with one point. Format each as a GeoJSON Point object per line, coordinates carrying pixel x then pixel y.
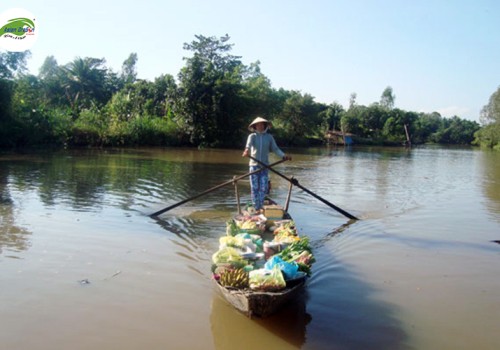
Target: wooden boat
{"type": "Point", "coordinates": [236, 279]}
{"type": "Point", "coordinates": [257, 303]}
{"type": "Point", "coordinates": [261, 304]}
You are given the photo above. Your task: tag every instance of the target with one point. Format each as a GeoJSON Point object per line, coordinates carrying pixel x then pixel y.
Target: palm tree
{"type": "Point", "coordinates": [85, 82]}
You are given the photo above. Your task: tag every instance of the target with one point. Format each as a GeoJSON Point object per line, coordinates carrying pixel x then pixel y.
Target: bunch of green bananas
{"type": "Point", "coordinates": [237, 278]}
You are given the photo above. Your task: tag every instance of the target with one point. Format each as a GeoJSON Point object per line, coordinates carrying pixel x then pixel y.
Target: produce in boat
{"type": "Point", "coordinates": [259, 268]}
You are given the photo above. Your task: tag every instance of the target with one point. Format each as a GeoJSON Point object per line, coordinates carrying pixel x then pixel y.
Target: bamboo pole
{"type": "Point", "coordinates": [289, 196]}
{"type": "Point", "coordinates": [237, 193]}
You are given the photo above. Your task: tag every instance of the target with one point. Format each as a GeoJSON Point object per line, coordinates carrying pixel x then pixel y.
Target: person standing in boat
{"type": "Point", "coordinates": [259, 144]}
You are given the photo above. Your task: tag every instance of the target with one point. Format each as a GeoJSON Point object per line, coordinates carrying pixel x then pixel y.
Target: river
{"type": "Point", "coordinates": [83, 266]}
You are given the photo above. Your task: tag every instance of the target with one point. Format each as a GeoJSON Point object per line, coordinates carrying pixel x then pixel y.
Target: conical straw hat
{"type": "Point", "coordinates": [258, 120]}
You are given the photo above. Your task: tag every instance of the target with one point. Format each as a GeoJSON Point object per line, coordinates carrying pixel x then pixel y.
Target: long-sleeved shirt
{"type": "Point", "coordinates": [260, 145]}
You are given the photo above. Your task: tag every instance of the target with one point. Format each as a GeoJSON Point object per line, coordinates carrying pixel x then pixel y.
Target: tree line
{"type": "Point", "coordinates": [208, 104]}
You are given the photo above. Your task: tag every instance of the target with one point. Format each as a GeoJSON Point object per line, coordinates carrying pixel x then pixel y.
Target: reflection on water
{"type": "Point", "coordinates": [490, 164]}
{"type": "Point", "coordinates": [286, 329]}
{"type": "Point", "coordinates": [86, 180]}
{"type": "Point", "coordinates": [13, 237]}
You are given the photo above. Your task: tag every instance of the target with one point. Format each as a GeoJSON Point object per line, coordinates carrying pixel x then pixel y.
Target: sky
{"type": "Point", "coordinates": [436, 55]}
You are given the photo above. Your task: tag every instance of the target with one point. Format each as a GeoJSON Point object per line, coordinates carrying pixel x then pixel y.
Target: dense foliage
{"type": "Point", "coordinates": [208, 104]}
{"type": "Point", "coordinates": [489, 135]}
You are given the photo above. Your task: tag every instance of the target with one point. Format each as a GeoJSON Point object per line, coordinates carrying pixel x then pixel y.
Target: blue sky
{"type": "Point", "coordinates": [436, 55]}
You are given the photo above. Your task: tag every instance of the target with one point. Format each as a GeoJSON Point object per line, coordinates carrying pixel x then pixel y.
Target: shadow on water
{"type": "Point", "coordinates": [345, 315]}
{"type": "Point", "coordinates": [231, 329]}
{"type": "Point", "coordinates": [337, 314]}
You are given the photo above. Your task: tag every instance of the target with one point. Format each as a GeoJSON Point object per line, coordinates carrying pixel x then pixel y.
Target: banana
{"type": "Point", "coordinates": [237, 278]}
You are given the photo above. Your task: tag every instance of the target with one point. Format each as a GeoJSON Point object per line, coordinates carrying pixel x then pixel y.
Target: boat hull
{"type": "Point", "coordinates": [260, 304]}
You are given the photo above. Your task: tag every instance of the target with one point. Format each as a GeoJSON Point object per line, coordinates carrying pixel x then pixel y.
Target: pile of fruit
{"type": "Point", "coordinates": [286, 233]}
{"type": "Point", "coordinates": [254, 224]}
{"type": "Point", "coordinates": [240, 262]}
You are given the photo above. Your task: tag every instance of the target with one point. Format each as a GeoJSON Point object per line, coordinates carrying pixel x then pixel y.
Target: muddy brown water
{"type": "Point", "coordinates": [84, 267]}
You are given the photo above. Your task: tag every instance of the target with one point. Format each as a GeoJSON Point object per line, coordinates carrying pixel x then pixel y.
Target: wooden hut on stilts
{"type": "Point", "coordinates": [336, 137]}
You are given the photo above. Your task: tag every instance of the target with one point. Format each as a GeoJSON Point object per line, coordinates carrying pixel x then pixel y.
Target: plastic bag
{"type": "Point", "coordinates": [289, 269]}
{"type": "Point", "coordinates": [267, 280]}
{"type": "Point", "coordinates": [229, 255]}
{"type": "Point", "coordinates": [252, 241]}
{"type": "Point", "coordinates": [229, 241]}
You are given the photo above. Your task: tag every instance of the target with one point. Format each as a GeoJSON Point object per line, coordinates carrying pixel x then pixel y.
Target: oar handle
{"type": "Point", "coordinates": [295, 182]}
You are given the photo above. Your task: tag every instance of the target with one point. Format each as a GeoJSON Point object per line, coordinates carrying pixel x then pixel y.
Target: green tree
{"type": "Point", "coordinates": [457, 131]}
{"type": "Point", "coordinates": [144, 99]}
{"type": "Point", "coordinates": [37, 123]}
{"type": "Point", "coordinates": [163, 96]}
{"type": "Point", "coordinates": [259, 97]}
{"type": "Point", "coordinates": [426, 127]}
{"type": "Point", "coordinates": [489, 135]}
{"type": "Point", "coordinates": [352, 100]}
{"type": "Point", "coordinates": [351, 120]}
{"type": "Point", "coordinates": [129, 70]}
{"type": "Point", "coordinates": [85, 83]}
{"type": "Point", "coordinates": [300, 117]}
{"type": "Point", "coordinates": [49, 68]}
{"type": "Point", "coordinates": [394, 127]}
{"type": "Point", "coordinates": [128, 103]}
{"type": "Point", "coordinates": [490, 113]}
{"type": "Point", "coordinates": [331, 116]}
{"type": "Point", "coordinates": [373, 120]}
{"type": "Point", "coordinates": [52, 78]}
{"type": "Point", "coordinates": [12, 64]}
{"type": "Point", "coordinates": [388, 98]}
{"type": "Point", "coordinates": [210, 93]}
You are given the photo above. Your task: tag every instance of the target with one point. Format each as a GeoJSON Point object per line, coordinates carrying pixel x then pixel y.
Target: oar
{"type": "Point", "coordinates": [296, 183]}
{"type": "Point", "coordinates": [159, 212]}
